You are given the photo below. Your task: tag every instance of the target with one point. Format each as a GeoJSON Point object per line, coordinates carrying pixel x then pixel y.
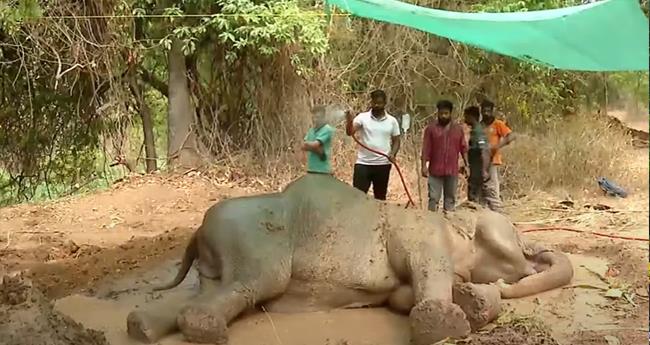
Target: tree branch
{"type": "Point", "coordinates": [152, 80]}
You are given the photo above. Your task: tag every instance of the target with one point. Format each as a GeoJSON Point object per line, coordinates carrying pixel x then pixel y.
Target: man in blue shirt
{"type": "Point", "coordinates": [318, 143]}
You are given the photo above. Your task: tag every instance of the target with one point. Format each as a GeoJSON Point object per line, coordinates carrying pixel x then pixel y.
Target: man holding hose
{"type": "Point", "coordinates": [380, 132]}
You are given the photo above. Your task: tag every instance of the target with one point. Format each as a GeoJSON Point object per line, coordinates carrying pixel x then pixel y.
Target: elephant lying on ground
{"type": "Point", "coordinates": [321, 244]}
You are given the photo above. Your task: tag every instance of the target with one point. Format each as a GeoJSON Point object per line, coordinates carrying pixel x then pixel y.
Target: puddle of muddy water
{"type": "Point", "coordinates": [572, 309]}
{"type": "Point", "coordinates": [107, 312]}
{"type": "Point", "coordinates": [353, 327]}
{"type": "Point", "coordinates": [566, 311]}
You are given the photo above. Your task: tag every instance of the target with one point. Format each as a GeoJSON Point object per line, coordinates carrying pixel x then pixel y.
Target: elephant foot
{"type": "Point", "coordinates": [480, 302]}
{"type": "Point", "coordinates": [147, 328]}
{"type": "Point", "coordinates": [203, 326]}
{"type": "Point", "coordinates": [432, 321]}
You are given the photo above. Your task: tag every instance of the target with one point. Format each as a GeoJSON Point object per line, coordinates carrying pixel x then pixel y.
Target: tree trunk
{"type": "Point", "coordinates": [181, 138]}
{"type": "Point", "coordinates": [604, 105]}
{"type": "Point", "coordinates": [147, 125]}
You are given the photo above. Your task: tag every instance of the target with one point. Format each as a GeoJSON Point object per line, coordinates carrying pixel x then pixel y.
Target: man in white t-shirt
{"type": "Point", "coordinates": [379, 131]}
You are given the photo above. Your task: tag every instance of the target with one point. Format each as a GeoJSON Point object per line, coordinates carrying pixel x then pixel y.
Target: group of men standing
{"type": "Point", "coordinates": [477, 144]}
{"type": "Point", "coordinates": [445, 141]}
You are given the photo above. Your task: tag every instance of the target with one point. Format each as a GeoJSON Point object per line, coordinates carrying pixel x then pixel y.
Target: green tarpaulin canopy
{"type": "Point", "coordinates": [610, 35]}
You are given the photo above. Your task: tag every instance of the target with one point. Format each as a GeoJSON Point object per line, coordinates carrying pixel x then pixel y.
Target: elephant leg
{"type": "Point", "coordinates": [480, 302]}
{"type": "Point", "coordinates": [206, 319]}
{"type": "Point", "coordinates": [434, 316]}
{"type": "Point", "coordinates": [159, 318]}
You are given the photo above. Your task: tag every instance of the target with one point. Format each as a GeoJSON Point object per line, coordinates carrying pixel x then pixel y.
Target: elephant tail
{"type": "Point", "coordinates": [558, 273]}
{"type": "Point", "coordinates": [191, 253]}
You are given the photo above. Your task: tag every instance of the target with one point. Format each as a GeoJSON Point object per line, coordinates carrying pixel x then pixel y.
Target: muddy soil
{"type": "Point", "coordinates": [554, 317]}
{"type": "Point", "coordinates": [27, 317]}
{"type": "Point", "coordinates": [96, 258]}
{"type": "Point", "coordinates": [514, 334]}
{"type": "Point", "coordinates": [108, 308]}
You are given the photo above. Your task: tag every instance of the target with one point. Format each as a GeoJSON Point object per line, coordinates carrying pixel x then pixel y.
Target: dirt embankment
{"type": "Point", "coordinates": [70, 245]}
{"type": "Point", "coordinates": [27, 317]}
{"type": "Point", "coordinates": [635, 126]}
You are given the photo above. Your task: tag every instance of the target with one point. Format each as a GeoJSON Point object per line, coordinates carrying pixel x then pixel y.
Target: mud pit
{"type": "Point", "coordinates": [27, 317]}
{"type": "Point", "coordinates": [130, 238]}
{"type": "Point", "coordinates": [107, 311]}
{"type": "Point", "coordinates": [566, 311]}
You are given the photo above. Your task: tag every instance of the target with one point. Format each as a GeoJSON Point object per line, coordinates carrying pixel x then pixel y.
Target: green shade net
{"type": "Point", "coordinates": [610, 35]}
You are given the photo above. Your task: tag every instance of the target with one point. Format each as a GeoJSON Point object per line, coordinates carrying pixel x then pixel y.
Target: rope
{"type": "Point", "coordinates": [399, 171]}
{"type": "Point", "coordinates": [560, 228]}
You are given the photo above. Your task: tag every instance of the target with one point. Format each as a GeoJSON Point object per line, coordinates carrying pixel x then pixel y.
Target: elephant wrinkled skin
{"type": "Point", "coordinates": [321, 244]}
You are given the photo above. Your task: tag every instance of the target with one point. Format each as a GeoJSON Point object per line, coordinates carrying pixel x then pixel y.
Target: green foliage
{"type": "Point", "coordinates": [49, 125]}
{"type": "Point", "coordinates": [630, 86]}
{"type": "Point", "coordinates": [51, 131]}
{"type": "Point", "coordinates": [498, 6]}
{"type": "Point", "coordinates": [245, 25]}
{"type": "Point", "coordinates": [267, 26]}
{"type": "Point", "coordinates": [44, 135]}
{"type": "Point", "coordinates": [235, 51]}
{"type": "Point", "coordinates": [15, 12]}
{"type": "Point", "coordinates": [242, 60]}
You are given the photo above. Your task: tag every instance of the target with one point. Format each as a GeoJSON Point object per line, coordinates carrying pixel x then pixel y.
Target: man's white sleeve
{"type": "Point", "coordinates": [358, 120]}
{"type": "Point", "coordinates": [395, 131]}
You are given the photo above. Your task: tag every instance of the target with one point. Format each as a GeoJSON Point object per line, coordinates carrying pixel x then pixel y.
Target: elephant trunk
{"type": "Point", "coordinates": [559, 272]}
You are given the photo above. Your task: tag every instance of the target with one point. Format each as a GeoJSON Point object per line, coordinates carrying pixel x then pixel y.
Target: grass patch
{"type": "Point", "coordinates": [570, 155]}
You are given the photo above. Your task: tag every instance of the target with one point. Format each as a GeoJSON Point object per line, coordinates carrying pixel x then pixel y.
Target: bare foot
{"type": "Point", "coordinates": [200, 325]}
{"type": "Point", "coordinates": [480, 302]}
{"type": "Point", "coordinates": [432, 321]}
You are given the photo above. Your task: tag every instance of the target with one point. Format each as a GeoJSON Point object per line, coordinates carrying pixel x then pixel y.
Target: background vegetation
{"type": "Point", "coordinates": [92, 90]}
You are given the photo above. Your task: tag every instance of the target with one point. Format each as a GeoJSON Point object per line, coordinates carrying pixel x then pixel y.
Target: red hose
{"type": "Point", "coordinates": [399, 171]}
{"type": "Point", "coordinates": [559, 228]}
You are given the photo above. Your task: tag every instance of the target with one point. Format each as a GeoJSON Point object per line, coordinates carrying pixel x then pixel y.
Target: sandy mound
{"type": "Point", "coordinates": [26, 317]}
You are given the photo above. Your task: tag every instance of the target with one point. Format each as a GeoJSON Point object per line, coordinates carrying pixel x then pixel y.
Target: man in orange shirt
{"type": "Point", "coordinates": [499, 135]}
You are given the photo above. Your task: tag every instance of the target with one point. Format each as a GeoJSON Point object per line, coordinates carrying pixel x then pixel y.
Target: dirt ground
{"type": "Point", "coordinates": [27, 317]}
{"type": "Point", "coordinates": [95, 258]}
